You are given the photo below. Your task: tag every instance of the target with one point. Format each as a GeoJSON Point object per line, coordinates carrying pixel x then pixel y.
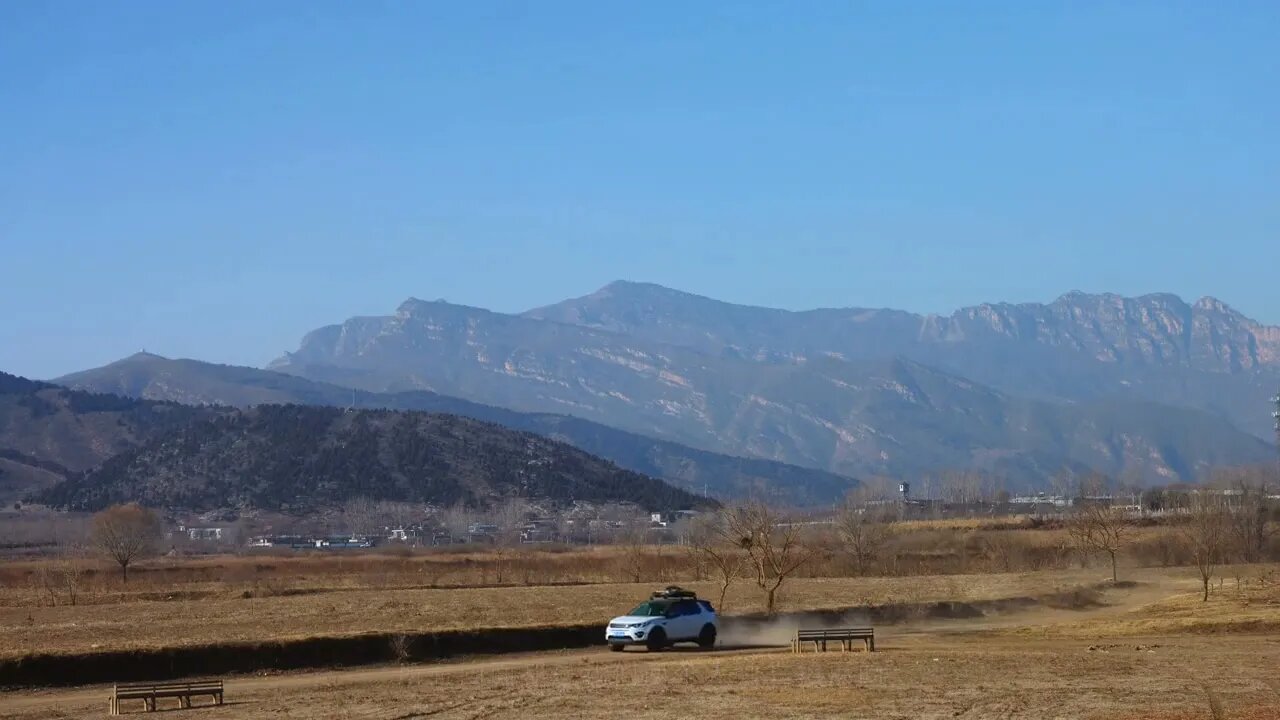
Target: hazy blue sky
{"type": "Point", "coordinates": [215, 179]}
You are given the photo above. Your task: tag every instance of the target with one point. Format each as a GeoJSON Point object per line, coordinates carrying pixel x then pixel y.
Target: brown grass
{"type": "Point", "coordinates": [1150, 657]}
{"type": "Point", "coordinates": [1251, 607]}
{"type": "Point", "coordinates": [932, 678]}
{"type": "Point", "coordinates": [221, 617]}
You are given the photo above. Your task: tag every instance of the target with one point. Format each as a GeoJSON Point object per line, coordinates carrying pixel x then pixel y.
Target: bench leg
{"type": "Point", "coordinates": [219, 698]}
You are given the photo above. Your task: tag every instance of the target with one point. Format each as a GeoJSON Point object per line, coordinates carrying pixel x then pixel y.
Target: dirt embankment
{"type": "Point", "coordinates": [38, 670]}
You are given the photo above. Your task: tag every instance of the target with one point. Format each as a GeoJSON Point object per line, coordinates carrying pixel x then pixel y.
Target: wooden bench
{"type": "Point", "coordinates": [845, 636]}
{"type": "Point", "coordinates": [150, 692]}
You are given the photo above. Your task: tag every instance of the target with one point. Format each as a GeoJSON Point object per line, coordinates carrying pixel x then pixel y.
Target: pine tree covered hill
{"type": "Point", "coordinates": [49, 432]}
{"type": "Point", "coordinates": [296, 459]}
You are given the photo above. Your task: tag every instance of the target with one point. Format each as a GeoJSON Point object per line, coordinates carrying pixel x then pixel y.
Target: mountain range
{"type": "Point", "coordinates": [795, 405]}
{"type": "Point", "coordinates": [149, 376]}
{"type": "Point", "coordinates": [1149, 387]}
{"type": "Point", "coordinates": [1079, 347]}
{"type": "Point", "coordinates": [80, 450]}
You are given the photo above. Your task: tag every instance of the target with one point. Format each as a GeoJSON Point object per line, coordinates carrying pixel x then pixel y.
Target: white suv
{"type": "Point", "coordinates": [667, 617]}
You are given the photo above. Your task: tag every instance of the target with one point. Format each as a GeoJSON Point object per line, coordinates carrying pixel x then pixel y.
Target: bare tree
{"type": "Point", "coordinates": [863, 528]}
{"type": "Point", "coordinates": [712, 542]}
{"type": "Point", "coordinates": [966, 487]}
{"type": "Point", "coordinates": [632, 543]}
{"type": "Point", "coordinates": [69, 570]}
{"type": "Point", "coordinates": [773, 547]}
{"type": "Point", "coordinates": [1065, 484]}
{"type": "Point", "coordinates": [361, 517]}
{"type": "Point", "coordinates": [399, 515]}
{"type": "Point", "coordinates": [125, 533]}
{"type": "Point", "coordinates": [1098, 527]}
{"type": "Point", "coordinates": [1248, 511]}
{"type": "Point", "coordinates": [62, 575]}
{"type": "Point", "coordinates": [457, 521]}
{"type": "Point", "coordinates": [509, 517]}
{"type": "Point", "coordinates": [1206, 532]}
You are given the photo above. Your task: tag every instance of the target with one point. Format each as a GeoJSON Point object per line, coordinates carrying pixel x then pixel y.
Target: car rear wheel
{"type": "Point", "coordinates": [656, 640]}
{"type": "Point", "coordinates": [707, 638]}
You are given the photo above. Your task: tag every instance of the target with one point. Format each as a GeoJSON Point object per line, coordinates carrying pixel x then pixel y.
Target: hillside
{"type": "Point", "coordinates": [49, 432]}
{"type": "Point", "coordinates": [789, 402]}
{"type": "Point", "coordinates": [192, 382]}
{"type": "Point", "coordinates": [298, 459]}
{"type": "Point", "coordinates": [720, 475]}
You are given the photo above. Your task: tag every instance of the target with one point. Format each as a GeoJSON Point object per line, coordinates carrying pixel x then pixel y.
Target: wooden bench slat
{"type": "Point", "coordinates": [193, 683]}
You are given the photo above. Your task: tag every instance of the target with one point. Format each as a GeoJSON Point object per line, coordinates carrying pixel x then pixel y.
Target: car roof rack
{"type": "Point", "coordinates": [672, 592]}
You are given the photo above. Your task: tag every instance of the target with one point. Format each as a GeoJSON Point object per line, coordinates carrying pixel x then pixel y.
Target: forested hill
{"type": "Point", "coordinates": [49, 432]}
{"type": "Point", "coordinates": [296, 459]}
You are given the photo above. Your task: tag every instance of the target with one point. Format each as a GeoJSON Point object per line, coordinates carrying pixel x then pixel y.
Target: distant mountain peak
{"type": "Point", "coordinates": [633, 288]}
{"type": "Point", "coordinates": [628, 285]}
{"type": "Point", "coordinates": [1213, 304]}
{"type": "Point", "coordinates": [410, 304]}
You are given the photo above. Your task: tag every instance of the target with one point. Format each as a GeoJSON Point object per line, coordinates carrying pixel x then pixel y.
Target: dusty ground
{"type": "Point", "coordinates": [1040, 664]}
{"type": "Point", "coordinates": [340, 611]}
{"type": "Point", "coordinates": [916, 677]}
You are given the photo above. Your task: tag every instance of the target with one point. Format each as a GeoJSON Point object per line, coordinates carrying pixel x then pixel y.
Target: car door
{"type": "Point", "coordinates": [686, 622]}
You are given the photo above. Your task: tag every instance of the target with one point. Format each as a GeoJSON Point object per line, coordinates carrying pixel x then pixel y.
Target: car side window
{"type": "Point", "coordinates": [686, 607]}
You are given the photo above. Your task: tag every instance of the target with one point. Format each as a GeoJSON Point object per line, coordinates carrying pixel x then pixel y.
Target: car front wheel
{"type": "Point", "coordinates": [656, 640]}
{"type": "Point", "coordinates": [616, 647]}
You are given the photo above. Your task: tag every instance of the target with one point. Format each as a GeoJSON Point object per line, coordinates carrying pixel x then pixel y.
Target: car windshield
{"type": "Point", "coordinates": [653, 608]}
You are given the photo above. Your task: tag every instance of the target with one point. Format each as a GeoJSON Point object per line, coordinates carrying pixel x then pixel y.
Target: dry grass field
{"type": "Point", "coordinates": [1246, 603]}
{"type": "Point", "coordinates": [931, 672]}
{"type": "Point", "coordinates": [309, 611]}
{"type": "Point", "coordinates": [1147, 649]}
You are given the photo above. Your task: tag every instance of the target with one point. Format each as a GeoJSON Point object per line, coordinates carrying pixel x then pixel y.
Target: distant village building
{"type": "Point", "coordinates": [205, 534]}
{"type": "Point", "coordinates": [664, 519]}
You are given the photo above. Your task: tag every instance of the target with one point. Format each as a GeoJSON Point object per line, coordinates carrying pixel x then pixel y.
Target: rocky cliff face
{"type": "Point", "coordinates": [1080, 347]}
{"type": "Point", "coordinates": [843, 390]}
{"type": "Point", "coordinates": [1160, 330]}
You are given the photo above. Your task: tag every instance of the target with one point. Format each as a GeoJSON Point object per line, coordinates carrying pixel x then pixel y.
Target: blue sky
{"type": "Point", "coordinates": [214, 179]}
